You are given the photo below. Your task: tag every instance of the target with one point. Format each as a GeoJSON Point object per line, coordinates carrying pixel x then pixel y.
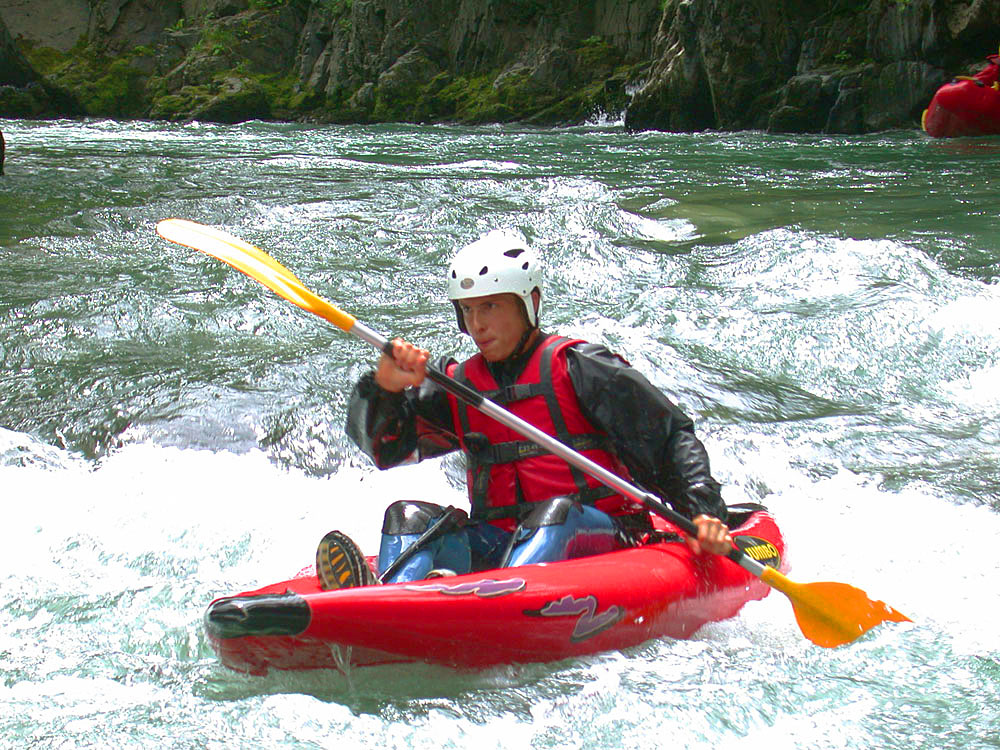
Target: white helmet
{"type": "Point", "coordinates": [497, 263]}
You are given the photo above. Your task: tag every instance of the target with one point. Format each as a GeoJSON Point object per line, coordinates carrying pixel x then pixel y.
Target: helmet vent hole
{"type": "Point", "coordinates": [485, 270]}
{"type": "Point", "coordinates": [515, 252]}
{"type": "Point", "coordinates": [525, 265]}
{"type": "Point", "coordinates": [454, 275]}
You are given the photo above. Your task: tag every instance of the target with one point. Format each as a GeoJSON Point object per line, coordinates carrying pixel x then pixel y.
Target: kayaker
{"type": "Point", "coordinates": [528, 505]}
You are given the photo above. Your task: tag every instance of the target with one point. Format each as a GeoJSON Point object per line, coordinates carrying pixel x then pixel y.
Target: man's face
{"type": "Point", "coordinates": [496, 323]}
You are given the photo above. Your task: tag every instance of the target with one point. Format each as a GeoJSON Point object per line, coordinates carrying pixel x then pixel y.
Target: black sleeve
{"type": "Point", "coordinates": [651, 435]}
{"type": "Point", "coordinates": [398, 428]}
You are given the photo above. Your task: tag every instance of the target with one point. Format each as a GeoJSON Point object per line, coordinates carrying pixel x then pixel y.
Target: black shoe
{"type": "Point", "coordinates": [340, 564]}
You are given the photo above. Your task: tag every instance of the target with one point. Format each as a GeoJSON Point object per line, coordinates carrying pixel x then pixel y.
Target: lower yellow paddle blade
{"type": "Point", "coordinates": [255, 263]}
{"type": "Point", "coordinates": [832, 614]}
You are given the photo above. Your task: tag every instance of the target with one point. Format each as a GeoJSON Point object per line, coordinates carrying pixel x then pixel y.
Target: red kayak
{"type": "Point", "coordinates": [969, 105]}
{"type": "Point", "coordinates": [533, 613]}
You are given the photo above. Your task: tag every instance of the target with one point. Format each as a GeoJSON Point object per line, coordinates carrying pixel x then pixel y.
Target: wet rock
{"type": "Point", "coordinates": [53, 23]}
{"type": "Point", "coordinates": [735, 64]}
{"type": "Point", "coordinates": [214, 8]}
{"type": "Point", "coordinates": [363, 100]}
{"type": "Point", "coordinates": [237, 101]}
{"type": "Point", "coordinates": [804, 105]}
{"type": "Point", "coordinates": [398, 88]}
{"type": "Point", "coordinates": [23, 93]}
{"type": "Point", "coordinates": [14, 68]}
{"type": "Point", "coordinates": [122, 25]}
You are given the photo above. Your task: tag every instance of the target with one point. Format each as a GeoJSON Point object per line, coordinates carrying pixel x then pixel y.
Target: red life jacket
{"type": "Point", "coordinates": [506, 474]}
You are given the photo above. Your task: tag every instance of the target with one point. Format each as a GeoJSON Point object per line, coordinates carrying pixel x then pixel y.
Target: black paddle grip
{"type": "Point", "coordinates": [468, 395]}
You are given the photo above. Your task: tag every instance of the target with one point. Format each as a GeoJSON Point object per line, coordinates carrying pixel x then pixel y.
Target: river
{"type": "Point", "coordinates": [825, 308]}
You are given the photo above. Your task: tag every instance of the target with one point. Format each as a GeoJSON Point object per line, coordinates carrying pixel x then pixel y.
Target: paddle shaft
{"type": "Point", "coordinates": [476, 400]}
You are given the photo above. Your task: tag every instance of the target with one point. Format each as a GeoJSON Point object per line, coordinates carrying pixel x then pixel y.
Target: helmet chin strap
{"type": "Point", "coordinates": [519, 349]}
{"type": "Point", "coordinates": [523, 341]}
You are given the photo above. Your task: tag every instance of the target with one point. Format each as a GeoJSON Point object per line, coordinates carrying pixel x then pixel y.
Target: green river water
{"type": "Point", "coordinates": [827, 309]}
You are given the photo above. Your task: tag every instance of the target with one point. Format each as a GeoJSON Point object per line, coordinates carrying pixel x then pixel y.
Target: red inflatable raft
{"type": "Point", "coordinates": [534, 613]}
{"type": "Point", "coordinates": [967, 105]}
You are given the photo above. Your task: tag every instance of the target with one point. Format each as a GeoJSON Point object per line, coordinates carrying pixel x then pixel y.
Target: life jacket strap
{"type": "Point", "coordinates": [515, 392]}
{"type": "Point", "coordinates": [515, 450]}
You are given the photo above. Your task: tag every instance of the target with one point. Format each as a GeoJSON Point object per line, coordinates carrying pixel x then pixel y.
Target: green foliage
{"type": "Point", "coordinates": [474, 100]}
{"type": "Point", "coordinates": [216, 39]}
{"type": "Point", "coordinates": [105, 86]}
{"type": "Point", "coordinates": [336, 8]}
{"type": "Point", "coordinates": [135, 84]}
{"type": "Point", "coordinates": [172, 106]}
{"type": "Point", "coordinates": [594, 54]}
{"type": "Point", "coordinates": [496, 96]}
{"type": "Point", "coordinates": [46, 60]}
{"type": "Point", "coordinates": [16, 102]}
{"type": "Point", "coordinates": [119, 91]}
{"type": "Point", "coordinates": [283, 93]}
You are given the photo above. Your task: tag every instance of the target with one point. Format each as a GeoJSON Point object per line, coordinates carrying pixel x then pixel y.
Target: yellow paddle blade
{"type": "Point", "coordinates": [217, 243]}
{"type": "Point", "coordinates": [254, 262]}
{"type": "Point", "coordinates": [832, 614]}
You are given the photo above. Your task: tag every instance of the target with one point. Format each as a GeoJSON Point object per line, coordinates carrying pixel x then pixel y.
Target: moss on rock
{"type": "Point", "coordinates": [27, 101]}
{"type": "Point", "coordinates": [400, 88]}
{"type": "Point", "coordinates": [239, 59]}
{"type": "Point", "coordinates": [475, 100]}
{"type": "Point", "coordinates": [104, 86]}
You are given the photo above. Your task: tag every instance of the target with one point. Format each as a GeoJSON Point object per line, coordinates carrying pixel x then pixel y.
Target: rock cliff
{"type": "Point", "coordinates": [803, 66]}
{"type": "Point", "coordinates": [23, 93]}
{"type": "Point", "coordinates": [839, 66]}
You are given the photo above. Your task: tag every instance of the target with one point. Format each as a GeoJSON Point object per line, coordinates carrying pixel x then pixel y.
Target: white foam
{"type": "Point", "coordinates": [196, 503]}
{"type": "Point", "coordinates": [929, 558]}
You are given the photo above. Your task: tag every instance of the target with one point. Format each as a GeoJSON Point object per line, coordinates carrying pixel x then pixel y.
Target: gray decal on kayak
{"type": "Point", "coordinates": [486, 588]}
{"type": "Point", "coordinates": [591, 621]}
